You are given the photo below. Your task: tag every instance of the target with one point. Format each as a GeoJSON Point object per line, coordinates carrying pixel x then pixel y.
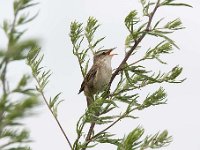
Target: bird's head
{"type": "Point", "coordinates": [103, 55]}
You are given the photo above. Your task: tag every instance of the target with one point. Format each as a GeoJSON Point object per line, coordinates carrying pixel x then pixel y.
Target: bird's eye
{"type": "Point", "coordinates": [104, 53]}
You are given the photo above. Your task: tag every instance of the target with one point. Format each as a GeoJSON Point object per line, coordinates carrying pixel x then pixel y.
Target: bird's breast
{"type": "Point", "coordinates": [103, 77]}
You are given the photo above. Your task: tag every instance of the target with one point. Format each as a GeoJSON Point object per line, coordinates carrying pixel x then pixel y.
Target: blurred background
{"type": "Point", "coordinates": [180, 116]}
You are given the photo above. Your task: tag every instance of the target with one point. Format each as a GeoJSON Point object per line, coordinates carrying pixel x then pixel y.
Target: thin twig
{"type": "Point", "coordinates": [90, 131]}
{"type": "Point", "coordinates": [102, 131]}
{"type": "Point", "coordinates": [120, 67]}
{"type": "Point", "coordinates": [57, 121]}
{"type": "Point", "coordinates": [112, 124]}
{"type": "Point", "coordinates": [3, 77]}
{"type": "Point", "coordinates": [135, 62]}
{"type": "Point", "coordinates": [128, 54]}
{"type": "Point", "coordinates": [79, 134]}
{"type": "Point", "coordinates": [6, 60]}
{"type": "Point", "coordinates": [87, 139]}
{"type": "Point", "coordinates": [79, 62]}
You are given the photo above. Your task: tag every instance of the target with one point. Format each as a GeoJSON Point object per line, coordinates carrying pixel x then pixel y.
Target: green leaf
{"type": "Point", "coordinates": [24, 18]}
{"type": "Point", "coordinates": [156, 141]}
{"type": "Point", "coordinates": [20, 109]}
{"type": "Point", "coordinates": [174, 25]}
{"type": "Point", "coordinates": [76, 32]}
{"type": "Point", "coordinates": [20, 50]}
{"type": "Point", "coordinates": [156, 98]}
{"type": "Point", "coordinates": [163, 47]}
{"type": "Point", "coordinates": [168, 3]}
{"type": "Point", "coordinates": [98, 41]}
{"type": "Point", "coordinates": [105, 138]}
{"type": "Point", "coordinates": [24, 80]}
{"type": "Point", "coordinates": [90, 29]}
{"type": "Point", "coordinates": [54, 100]}
{"type": "Point", "coordinates": [132, 139]}
{"type": "Point", "coordinates": [173, 74]}
{"type": "Point", "coordinates": [131, 20]}
{"type": "Point", "coordinates": [28, 5]}
{"type": "Point", "coordinates": [143, 2]}
{"type": "Point", "coordinates": [157, 23]}
{"type": "Point", "coordinates": [155, 33]}
{"type": "Point", "coordinates": [6, 26]}
{"type": "Point", "coordinates": [147, 7]}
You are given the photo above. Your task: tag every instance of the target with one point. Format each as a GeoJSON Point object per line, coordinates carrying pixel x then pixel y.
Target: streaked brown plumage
{"type": "Point", "coordinates": [98, 76]}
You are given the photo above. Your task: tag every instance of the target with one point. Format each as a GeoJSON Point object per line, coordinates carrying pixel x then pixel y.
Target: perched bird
{"type": "Point", "coordinates": [99, 75]}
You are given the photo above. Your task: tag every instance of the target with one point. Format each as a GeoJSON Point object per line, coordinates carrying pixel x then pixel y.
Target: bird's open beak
{"type": "Point", "coordinates": [110, 52]}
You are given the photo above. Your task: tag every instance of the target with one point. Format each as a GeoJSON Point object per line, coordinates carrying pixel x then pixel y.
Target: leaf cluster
{"type": "Point", "coordinates": [17, 49]}
{"type": "Point", "coordinates": [78, 33]}
{"type": "Point", "coordinates": [133, 140]}
{"type": "Point", "coordinates": [41, 76]}
{"type": "Point", "coordinates": [16, 102]}
{"type": "Point", "coordinates": [132, 76]}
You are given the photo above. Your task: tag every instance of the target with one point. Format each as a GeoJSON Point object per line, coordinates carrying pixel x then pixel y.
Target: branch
{"type": "Point", "coordinates": [89, 134]}
{"type": "Point", "coordinates": [112, 124]}
{"type": "Point", "coordinates": [89, 138]}
{"type": "Point", "coordinates": [3, 77]}
{"type": "Point", "coordinates": [79, 61]}
{"type": "Point", "coordinates": [125, 114]}
{"type": "Point", "coordinates": [5, 60]}
{"type": "Point", "coordinates": [78, 133]}
{"type": "Point", "coordinates": [90, 131]}
{"type": "Point", "coordinates": [57, 121]}
{"type": "Point", "coordinates": [128, 54]}
{"type": "Point", "coordinates": [121, 66]}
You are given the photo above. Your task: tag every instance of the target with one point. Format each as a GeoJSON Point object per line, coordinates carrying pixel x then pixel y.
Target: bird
{"type": "Point", "coordinates": [98, 77]}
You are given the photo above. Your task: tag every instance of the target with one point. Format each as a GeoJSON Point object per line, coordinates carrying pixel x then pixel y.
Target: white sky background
{"type": "Point", "coordinates": [180, 116]}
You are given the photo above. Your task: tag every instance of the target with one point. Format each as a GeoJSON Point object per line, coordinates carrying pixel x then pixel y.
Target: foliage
{"type": "Point", "coordinates": [16, 102]}
{"type": "Point", "coordinates": [132, 76]}
{"type": "Point", "coordinates": [42, 78]}
{"type": "Point", "coordinates": [133, 140]}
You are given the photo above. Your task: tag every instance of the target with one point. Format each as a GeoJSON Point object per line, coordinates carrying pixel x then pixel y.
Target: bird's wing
{"type": "Point", "coordinates": [90, 76]}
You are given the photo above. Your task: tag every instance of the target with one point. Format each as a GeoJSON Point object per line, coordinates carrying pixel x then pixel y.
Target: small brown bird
{"type": "Point", "coordinates": [99, 75]}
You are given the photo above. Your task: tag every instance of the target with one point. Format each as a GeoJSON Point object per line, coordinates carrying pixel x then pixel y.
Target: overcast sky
{"type": "Point", "coordinates": [180, 116]}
